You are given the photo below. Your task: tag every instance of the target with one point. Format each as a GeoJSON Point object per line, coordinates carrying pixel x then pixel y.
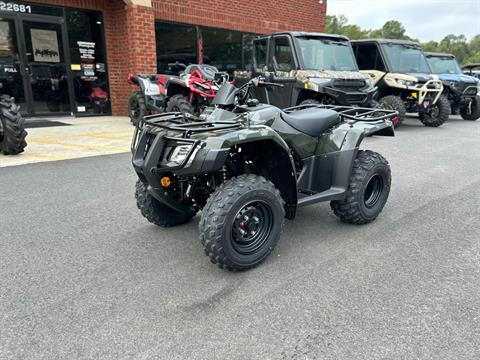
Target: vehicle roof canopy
{"type": "Point", "coordinates": [470, 66]}
{"type": "Point", "coordinates": [304, 33]}
{"type": "Point", "coordinates": [387, 41]}
{"type": "Point", "coordinates": [434, 54]}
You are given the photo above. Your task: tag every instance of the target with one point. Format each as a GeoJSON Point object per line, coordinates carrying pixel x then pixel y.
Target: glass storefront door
{"type": "Point", "coordinates": [45, 67]}
{"type": "Point", "coordinates": [33, 64]}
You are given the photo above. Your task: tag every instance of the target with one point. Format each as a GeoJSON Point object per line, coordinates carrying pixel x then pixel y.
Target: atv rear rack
{"type": "Point", "coordinates": [350, 113]}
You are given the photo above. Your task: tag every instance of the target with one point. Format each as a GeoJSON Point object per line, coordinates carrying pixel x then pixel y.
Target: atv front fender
{"type": "Point", "coordinates": [271, 156]}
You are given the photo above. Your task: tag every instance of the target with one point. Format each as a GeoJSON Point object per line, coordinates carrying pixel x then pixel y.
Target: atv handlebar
{"type": "Point", "coordinates": [278, 79]}
{"type": "Point", "coordinates": [264, 83]}
{"type": "Point", "coordinates": [284, 79]}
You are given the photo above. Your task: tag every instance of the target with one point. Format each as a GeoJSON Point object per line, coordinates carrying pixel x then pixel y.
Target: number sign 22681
{"type": "Point", "coordinates": [15, 7]}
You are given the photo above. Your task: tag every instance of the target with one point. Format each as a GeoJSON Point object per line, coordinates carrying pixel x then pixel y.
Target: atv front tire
{"type": "Point", "coordinates": [441, 112]}
{"type": "Point", "coordinates": [310, 102]}
{"type": "Point", "coordinates": [179, 103]}
{"type": "Point", "coordinates": [156, 212]}
{"type": "Point", "coordinates": [368, 190]}
{"type": "Point", "coordinates": [392, 102]}
{"type": "Point", "coordinates": [241, 222]}
{"type": "Point", "coordinates": [475, 113]}
{"type": "Point", "coordinates": [12, 130]}
{"type": "Point", "coordinates": [136, 107]}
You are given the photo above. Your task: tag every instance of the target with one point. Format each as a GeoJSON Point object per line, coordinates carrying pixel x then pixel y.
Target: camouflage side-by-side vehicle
{"type": "Point", "coordinates": [405, 83]}
{"type": "Point", "coordinates": [323, 65]}
{"type": "Point", "coordinates": [461, 90]}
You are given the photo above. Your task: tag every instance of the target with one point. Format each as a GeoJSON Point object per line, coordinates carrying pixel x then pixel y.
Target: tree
{"type": "Point", "coordinates": [465, 52]}
{"type": "Point", "coordinates": [393, 29]}
{"type": "Point", "coordinates": [338, 25]}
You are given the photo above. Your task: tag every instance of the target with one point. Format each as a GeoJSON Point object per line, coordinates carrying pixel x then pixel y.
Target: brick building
{"type": "Point", "coordinates": [60, 56]}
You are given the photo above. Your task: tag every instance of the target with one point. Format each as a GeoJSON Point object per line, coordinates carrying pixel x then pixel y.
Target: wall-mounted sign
{"type": "Point", "coordinates": [88, 70]}
{"type": "Point", "coordinates": [76, 67]}
{"type": "Point", "coordinates": [5, 47]}
{"type": "Point", "coordinates": [14, 7]}
{"type": "Point", "coordinates": [45, 45]}
{"type": "Point", "coordinates": [100, 67]}
{"type": "Point", "coordinates": [87, 51]}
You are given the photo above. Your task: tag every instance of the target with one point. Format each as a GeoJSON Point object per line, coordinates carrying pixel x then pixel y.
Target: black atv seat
{"type": "Point", "coordinates": [311, 121]}
{"type": "Point", "coordinates": [208, 71]}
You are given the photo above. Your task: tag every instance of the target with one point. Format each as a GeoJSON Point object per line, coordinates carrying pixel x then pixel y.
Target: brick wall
{"type": "Point", "coordinates": [130, 29]}
{"type": "Point", "coordinates": [246, 15]}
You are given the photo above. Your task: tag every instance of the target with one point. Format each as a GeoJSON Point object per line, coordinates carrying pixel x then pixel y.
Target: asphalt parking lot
{"type": "Point", "coordinates": [84, 276]}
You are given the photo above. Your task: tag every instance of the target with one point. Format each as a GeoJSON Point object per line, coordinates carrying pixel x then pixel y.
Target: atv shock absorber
{"type": "Point", "coordinates": [224, 173]}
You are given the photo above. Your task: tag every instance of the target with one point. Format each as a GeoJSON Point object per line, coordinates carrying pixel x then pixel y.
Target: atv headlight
{"type": "Point", "coordinates": [405, 82]}
{"type": "Point", "coordinates": [179, 153]}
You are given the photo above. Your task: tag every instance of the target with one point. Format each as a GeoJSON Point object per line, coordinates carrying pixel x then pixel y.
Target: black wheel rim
{"type": "Point", "coordinates": [434, 112]}
{"type": "Point", "coordinates": [373, 191]}
{"type": "Point", "coordinates": [251, 227]}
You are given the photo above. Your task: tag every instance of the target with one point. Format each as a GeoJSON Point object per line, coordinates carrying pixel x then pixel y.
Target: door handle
{"type": "Point", "coordinates": [27, 69]}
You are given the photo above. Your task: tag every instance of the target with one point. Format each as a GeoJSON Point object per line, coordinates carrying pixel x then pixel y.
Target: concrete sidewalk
{"type": "Point", "coordinates": [85, 137]}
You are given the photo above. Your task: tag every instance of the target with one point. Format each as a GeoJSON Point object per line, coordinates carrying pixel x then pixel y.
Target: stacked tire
{"type": "Point", "coordinates": [12, 127]}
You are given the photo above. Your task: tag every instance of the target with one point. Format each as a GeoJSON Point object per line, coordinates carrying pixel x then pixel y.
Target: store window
{"type": "Point", "coordinates": [88, 61]}
{"type": "Point", "coordinates": [176, 44]}
{"type": "Point", "coordinates": [222, 49]}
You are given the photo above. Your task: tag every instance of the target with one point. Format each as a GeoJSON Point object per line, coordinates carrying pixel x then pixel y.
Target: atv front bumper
{"type": "Point", "coordinates": [152, 160]}
{"type": "Point", "coordinates": [347, 98]}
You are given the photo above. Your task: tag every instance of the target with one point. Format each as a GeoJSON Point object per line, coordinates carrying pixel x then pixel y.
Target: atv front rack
{"type": "Point", "coordinates": [166, 120]}
{"type": "Point", "coordinates": [175, 121]}
{"type": "Point", "coordinates": [351, 113]}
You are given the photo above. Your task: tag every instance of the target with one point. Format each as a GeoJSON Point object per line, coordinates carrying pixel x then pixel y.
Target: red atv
{"type": "Point", "coordinates": [189, 92]}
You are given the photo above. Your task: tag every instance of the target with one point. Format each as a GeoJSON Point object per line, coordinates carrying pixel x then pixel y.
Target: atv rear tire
{"type": "Point", "coordinates": [12, 130]}
{"type": "Point", "coordinates": [179, 103]}
{"type": "Point", "coordinates": [241, 222]}
{"type": "Point", "coordinates": [392, 102]}
{"type": "Point", "coordinates": [442, 110]}
{"type": "Point", "coordinates": [475, 113]}
{"type": "Point", "coordinates": [136, 107]}
{"type": "Point", "coordinates": [156, 212]}
{"type": "Point", "coordinates": [368, 190]}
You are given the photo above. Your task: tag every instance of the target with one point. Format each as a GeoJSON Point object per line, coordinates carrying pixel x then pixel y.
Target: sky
{"type": "Point", "coordinates": [423, 19]}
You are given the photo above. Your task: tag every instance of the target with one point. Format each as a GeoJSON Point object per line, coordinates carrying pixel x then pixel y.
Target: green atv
{"type": "Point", "coordinates": [405, 83]}
{"type": "Point", "coordinates": [12, 131]}
{"type": "Point", "coordinates": [248, 166]}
